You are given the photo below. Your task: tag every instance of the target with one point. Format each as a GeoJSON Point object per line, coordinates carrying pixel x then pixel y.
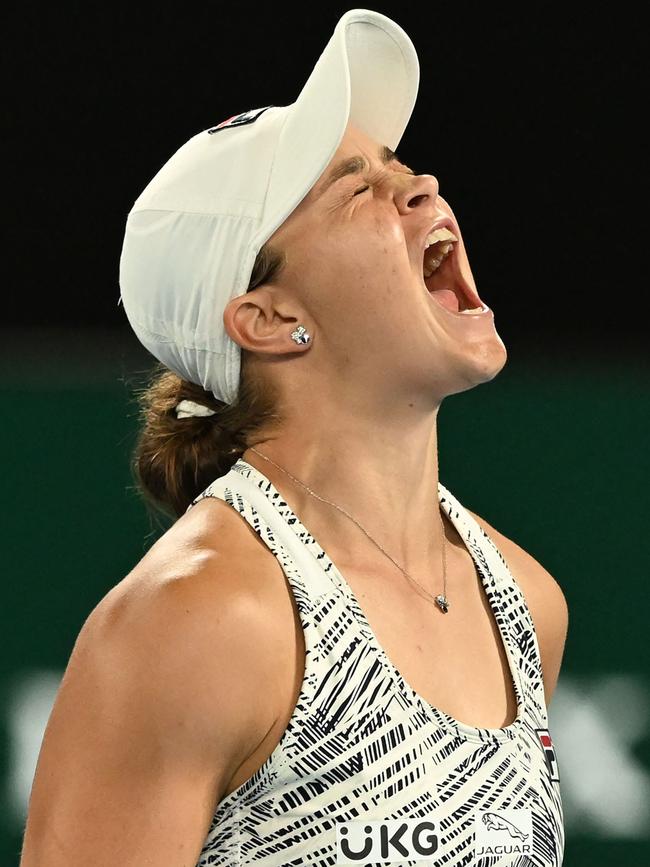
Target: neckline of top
{"type": "Point", "coordinates": [456, 514]}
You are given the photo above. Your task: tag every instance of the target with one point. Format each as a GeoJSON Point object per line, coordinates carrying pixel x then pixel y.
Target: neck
{"type": "Point", "coordinates": [385, 477]}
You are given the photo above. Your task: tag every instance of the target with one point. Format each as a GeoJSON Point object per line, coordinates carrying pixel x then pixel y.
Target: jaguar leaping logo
{"type": "Point", "coordinates": [494, 822]}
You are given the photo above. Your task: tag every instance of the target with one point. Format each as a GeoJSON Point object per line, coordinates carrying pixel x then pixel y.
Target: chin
{"type": "Point", "coordinates": [480, 363]}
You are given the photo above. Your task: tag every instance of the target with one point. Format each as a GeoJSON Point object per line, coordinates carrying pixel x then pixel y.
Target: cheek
{"type": "Point", "coordinates": [366, 269]}
{"type": "Point", "coordinates": [315, 273]}
{"type": "Point", "coordinates": [354, 265]}
{"type": "Point", "coordinates": [374, 248]}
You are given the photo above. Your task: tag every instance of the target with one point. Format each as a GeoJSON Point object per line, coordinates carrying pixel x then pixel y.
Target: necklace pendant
{"type": "Point", "coordinates": [441, 602]}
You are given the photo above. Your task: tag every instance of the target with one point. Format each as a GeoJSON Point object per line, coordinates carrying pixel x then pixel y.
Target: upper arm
{"type": "Point", "coordinates": [161, 700]}
{"type": "Point", "coordinates": [545, 600]}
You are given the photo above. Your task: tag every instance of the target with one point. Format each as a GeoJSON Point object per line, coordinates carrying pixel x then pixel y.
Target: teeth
{"type": "Point", "coordinates": [432, 266]}
{"type": "Point", "coordinates": [445, 241]}
{"type": "Point", "coordinates": [441, 235]}
{"type": "Point", "coordinates": [473, 310]}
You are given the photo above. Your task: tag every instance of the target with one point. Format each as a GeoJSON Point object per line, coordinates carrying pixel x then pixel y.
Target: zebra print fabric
{"type": "Point", "coordinates": [367, 771]}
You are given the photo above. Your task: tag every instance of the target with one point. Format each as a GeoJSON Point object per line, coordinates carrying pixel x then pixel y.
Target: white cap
{"type": "Point", "coordinates": [193, 233]}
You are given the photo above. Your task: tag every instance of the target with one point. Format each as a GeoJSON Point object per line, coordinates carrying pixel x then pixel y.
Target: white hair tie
{"type": "Point", "coordinates": [189, 409]}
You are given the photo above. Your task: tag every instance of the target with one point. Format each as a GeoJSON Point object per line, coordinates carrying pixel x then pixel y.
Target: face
{"type": "Point", "coordinates": [376, 260]}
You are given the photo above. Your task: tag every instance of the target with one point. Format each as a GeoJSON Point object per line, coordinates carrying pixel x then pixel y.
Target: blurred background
{"type": "Point", "coordinates": [527, 116]}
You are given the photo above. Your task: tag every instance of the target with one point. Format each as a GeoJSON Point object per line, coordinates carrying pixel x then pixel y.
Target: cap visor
{"type": "Point", "coordinates": [368, 74]}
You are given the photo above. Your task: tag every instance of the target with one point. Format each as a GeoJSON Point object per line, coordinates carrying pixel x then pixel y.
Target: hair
{"type": "Point", "coordinates": [175, 459]}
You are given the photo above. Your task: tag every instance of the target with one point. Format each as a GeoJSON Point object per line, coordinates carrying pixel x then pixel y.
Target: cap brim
{"type": "Point", "coordinates": [368, 74]}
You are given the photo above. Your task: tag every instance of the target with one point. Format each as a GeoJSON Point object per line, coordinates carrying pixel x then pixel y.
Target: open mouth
{"type": "Point", "coordinates": [442, 275]}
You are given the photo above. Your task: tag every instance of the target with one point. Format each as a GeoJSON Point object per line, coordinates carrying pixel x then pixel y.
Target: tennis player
{"type": "Point", "coordinates": [327, 659]}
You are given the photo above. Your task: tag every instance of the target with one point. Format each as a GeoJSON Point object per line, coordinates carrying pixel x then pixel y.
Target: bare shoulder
{"type": "Point", "coordinates": [170, 687]}
{"type": "Point", "coordinates": [201, 604]}
{"type": "Point", "coordinates": [544, 597]}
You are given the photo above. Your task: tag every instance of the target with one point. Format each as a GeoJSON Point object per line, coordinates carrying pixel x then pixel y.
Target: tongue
{"type": "Point", "coordinates": [446, 298]}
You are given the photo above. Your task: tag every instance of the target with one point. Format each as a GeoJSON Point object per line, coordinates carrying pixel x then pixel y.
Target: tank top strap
{"type": "Point", "coordinates": [517, 618]}
{"type": "Point", "coordinates": [260, 504]}
{"type": "Point", "coordinates": [475, 535]}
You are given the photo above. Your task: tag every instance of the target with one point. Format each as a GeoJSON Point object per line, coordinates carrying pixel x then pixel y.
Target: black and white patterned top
{"type": "Point", "coordinates": [367, 771]}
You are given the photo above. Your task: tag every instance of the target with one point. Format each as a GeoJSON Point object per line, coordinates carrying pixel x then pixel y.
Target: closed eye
{"type": "Point", "coordinates": [361, 190]}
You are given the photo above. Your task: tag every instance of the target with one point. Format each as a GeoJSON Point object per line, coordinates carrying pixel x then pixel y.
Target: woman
{"type": "Point", "coordinates": [327, 658]}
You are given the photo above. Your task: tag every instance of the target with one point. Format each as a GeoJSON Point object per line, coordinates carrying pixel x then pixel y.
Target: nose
{"type": "Point", "coordinates": [417, 190]}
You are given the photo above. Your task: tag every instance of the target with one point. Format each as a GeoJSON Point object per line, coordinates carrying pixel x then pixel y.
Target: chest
{"type": "Point", "coordinates": [456, 661]}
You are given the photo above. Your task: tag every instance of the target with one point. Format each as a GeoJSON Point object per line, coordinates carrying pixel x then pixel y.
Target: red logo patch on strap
{"type": "Point", "coordinates": [549, 752]}
{"type": "Point", "coordinates": [242, 119]}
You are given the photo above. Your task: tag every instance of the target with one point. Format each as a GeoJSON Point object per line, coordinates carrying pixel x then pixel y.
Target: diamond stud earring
{"type": "Point", "coordinates": [300, 335]}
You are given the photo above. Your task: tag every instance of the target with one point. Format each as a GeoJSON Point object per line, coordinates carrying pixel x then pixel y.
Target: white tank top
{"type": "Point", "coordinates": [367, 771]}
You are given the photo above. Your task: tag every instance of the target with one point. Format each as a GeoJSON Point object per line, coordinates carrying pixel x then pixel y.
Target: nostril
{"type": "Point", "coordinates": [417, 200]}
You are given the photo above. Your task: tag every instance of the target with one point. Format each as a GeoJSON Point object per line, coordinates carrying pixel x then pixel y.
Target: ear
{"type": "Point", "coordinates": [262, 321]}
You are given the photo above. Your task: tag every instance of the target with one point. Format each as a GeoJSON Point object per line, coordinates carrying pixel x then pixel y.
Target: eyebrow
{"type": "Point", "coordinates": [355, 165]}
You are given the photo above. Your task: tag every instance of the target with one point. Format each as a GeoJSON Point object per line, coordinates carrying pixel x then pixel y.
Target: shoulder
{"type": "Point", "coordinates": [170, 688]}
{"type": "Point", "coordinates": [211, 557]}
{"type": "Point", "coordinates": [544, 597]}
{"type": "Point", "coordinates": [199, 624]}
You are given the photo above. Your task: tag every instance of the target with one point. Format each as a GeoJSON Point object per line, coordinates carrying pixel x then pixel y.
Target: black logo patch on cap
{"type": "Point", "coordinates": [242, 119]}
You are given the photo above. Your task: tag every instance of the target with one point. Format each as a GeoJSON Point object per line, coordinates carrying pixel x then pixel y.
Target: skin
{"type": "Point", "coordinates": [382, 358]}
{"type": "Point", "coordinates": [184, 676]}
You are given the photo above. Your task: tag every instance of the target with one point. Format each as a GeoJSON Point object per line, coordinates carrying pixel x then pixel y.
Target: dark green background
{"type": "Point", "coordinates": [553, 453]}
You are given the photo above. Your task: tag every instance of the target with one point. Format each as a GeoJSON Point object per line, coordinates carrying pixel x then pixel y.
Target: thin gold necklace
{"type": "Point", "coordinates": [441, 599]}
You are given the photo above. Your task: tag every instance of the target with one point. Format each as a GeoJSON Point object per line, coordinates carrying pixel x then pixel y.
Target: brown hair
{"type": "Point", "coordinates": [174, 459]}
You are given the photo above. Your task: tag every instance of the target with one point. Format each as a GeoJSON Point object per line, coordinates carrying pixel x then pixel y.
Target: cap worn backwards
{"type": "Point", "coordinates": [193, 233]}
